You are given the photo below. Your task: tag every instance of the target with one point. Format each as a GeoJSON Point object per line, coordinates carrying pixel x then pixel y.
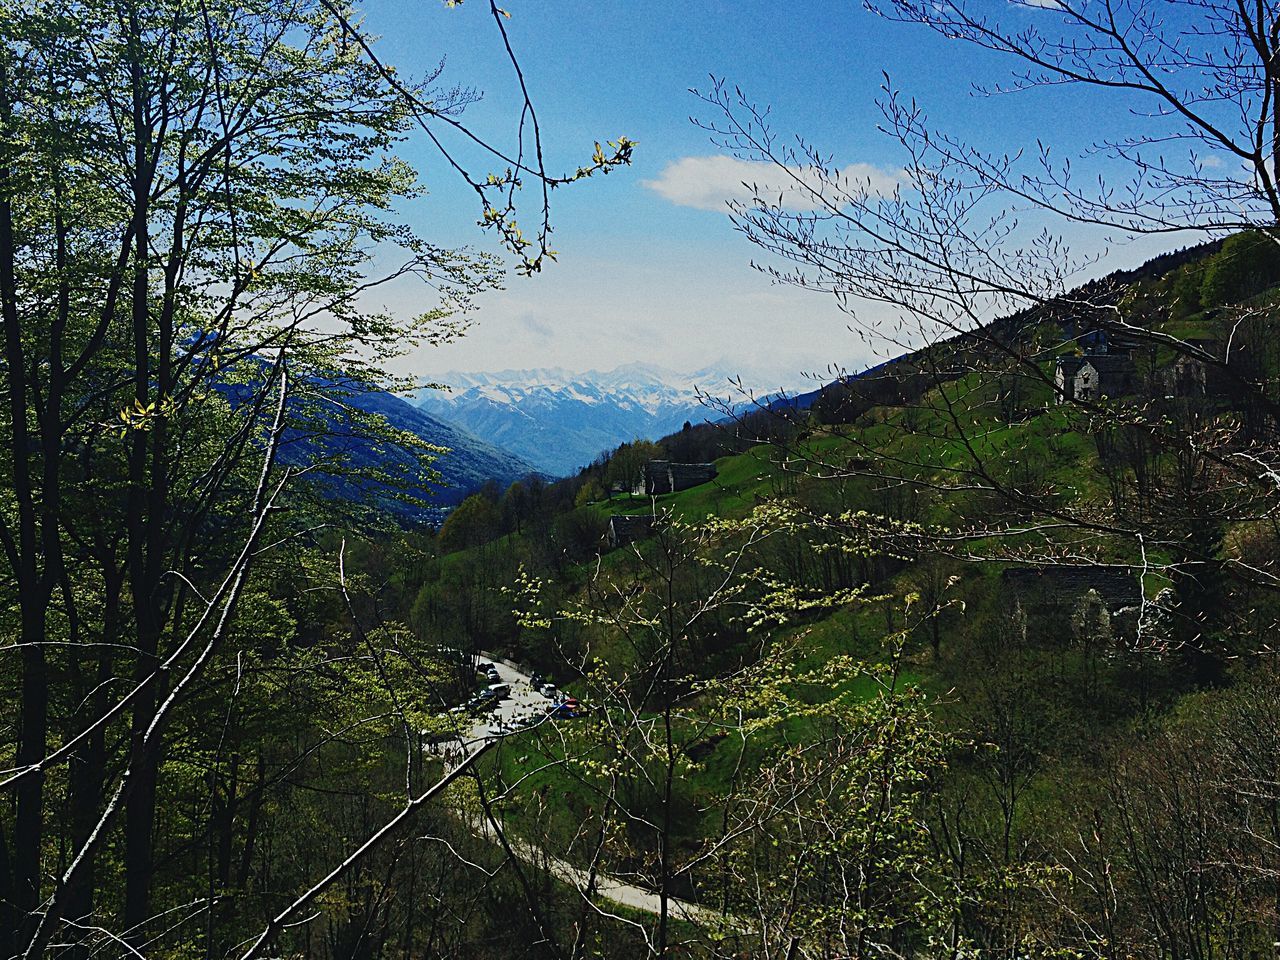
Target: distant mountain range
{"type": "Point", "coordinates": [561, 421]}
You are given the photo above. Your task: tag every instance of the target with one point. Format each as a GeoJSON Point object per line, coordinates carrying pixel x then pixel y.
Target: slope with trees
{"type": "Point", "coordinates": [191, 199]}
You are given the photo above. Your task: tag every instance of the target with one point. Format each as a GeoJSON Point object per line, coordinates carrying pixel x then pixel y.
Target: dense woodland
{"type": "Point", "coordinates": [947, 660]}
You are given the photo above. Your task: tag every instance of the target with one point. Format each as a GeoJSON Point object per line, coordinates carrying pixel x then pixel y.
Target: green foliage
{"type": "Point", "coordinates": [1247, 264]}
{"type": "Point", "coordinates": [591, 492]}
{"type": "Point", "coordinates": [623, 469]}
{"type": "Point", "coordinates": [475, 521]}
{"type": "Point", "coordinates": [578, 534]}
{"type": "Point", "coordinates": [195, 200]}
{"type": "Point", "coordinates": [1185, 290]}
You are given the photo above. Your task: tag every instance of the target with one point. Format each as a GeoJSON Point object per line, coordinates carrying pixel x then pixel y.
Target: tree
{"type": "Point", "coordinates": [624, 466]}
{"type": "Point", "coordinates": [190, 200]}
{"type": "Point", "coordinates": [472, 523]}
{"type": "Point", "coordinates": [591, 492]}
{"type": "Point", "coordinates": [1247, 264]}
{"type": "Point", "coordinates": [515, 507]}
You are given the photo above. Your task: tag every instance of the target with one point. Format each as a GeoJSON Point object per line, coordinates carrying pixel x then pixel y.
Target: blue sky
{"type": "Point", "coordinates": [650, 268]}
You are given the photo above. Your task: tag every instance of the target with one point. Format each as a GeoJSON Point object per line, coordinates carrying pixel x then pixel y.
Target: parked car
{"type": "Point", "coordinates": [548, 690]}
{"type": "Point", "coordinates": [499, 691]}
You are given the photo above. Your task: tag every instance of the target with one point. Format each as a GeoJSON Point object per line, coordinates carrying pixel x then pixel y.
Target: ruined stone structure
{"type": "Point", "coordinates": [625, 530]}
{"type": "Point", "coordinates": [1058, 600]}
{"type": "Point", "coordinates": [1190, 376]}
{"type": "Point", "coordinates": [1094, 376]}
{"type": "Point", "coordinates": [664, 476]}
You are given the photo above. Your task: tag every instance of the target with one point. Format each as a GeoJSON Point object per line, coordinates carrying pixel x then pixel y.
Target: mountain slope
{"type": "Point", "coordinates": [470, 463]}
{"type": "Point", "coordinates": [345, 439]}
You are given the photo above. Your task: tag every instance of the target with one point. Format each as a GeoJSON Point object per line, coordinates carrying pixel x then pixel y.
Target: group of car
{"type": "Point", "coordinates": [566, 708]}
{"type": "Point", "coordinates": [491, 695]}
{"type": "Point", "coordinates": [497, 690]}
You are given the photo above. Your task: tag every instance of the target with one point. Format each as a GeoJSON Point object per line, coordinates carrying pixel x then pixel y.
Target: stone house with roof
{"type": "Point", "coordinates": [1117, 587]}
{"type": "Point", "coordinates": [664, 476]}
{"type": "Point", "coordinates": [1054, 594]}
{"type": "Point", "coordinates": [1094, 376]}
{"type": "Point", "coordinates": [1190, 376]}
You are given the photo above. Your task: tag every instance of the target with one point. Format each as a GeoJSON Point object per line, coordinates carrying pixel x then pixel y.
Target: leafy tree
{"type": "Point", "coordinates": [578, 534]}
{"type": "Point", "coordinates": [1185, 290]}
{"type": "Point", "coordinates": [590, 492]}
{"type": "Point", "coordinates": [474, 522]}
{"type": "Point", "coordinates": [191, 197]}
{"type": "Point", "coordinates": [624, 466]}
{"type": "Point", "coordinates": [515, 507]}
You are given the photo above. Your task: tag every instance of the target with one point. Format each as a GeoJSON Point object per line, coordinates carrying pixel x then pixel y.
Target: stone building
{"type": "Point", "coordinates": [663, 476]}
{"type": "Point", "coordinates": [1056, 598]}
{"type": "Point", "coordinates": [624, 530]}
{"type": "Point", "coordinates": [1117, 588]}
{"type": "Point", "coordinates": [1190, 376]}
{"type": "Point", "coordinates": [1094, 376]}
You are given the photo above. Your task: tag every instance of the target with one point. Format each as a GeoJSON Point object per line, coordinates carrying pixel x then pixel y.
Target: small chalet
{"type": "Point", "coordinates": [664, 476]}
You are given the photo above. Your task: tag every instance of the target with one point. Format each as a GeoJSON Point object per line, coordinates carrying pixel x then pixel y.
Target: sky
{"type": "Point", "coordinates": [650, 268]}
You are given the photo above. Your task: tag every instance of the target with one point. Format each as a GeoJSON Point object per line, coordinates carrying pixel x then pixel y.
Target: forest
{"type": "Point", "coordinates": [971, 653]}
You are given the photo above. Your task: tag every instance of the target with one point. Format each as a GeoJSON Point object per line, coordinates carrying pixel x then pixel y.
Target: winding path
{"type": "Point", "coordinates": [525, 703]}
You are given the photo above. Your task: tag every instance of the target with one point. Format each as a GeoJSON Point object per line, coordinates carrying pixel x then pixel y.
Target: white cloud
{"type": "Point", "coordinates": [709, 183]}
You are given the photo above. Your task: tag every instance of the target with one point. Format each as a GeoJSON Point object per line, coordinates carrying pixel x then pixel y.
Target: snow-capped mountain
{"type": "Point", "coordinates": [560, 421]}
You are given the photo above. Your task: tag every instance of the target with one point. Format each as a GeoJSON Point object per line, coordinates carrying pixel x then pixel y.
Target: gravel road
{"type": "Point", "coordinates": [527, 705]}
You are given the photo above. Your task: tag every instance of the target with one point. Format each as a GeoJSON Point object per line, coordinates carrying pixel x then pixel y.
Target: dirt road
{"type": "Point", "coordinates": [526, 706]}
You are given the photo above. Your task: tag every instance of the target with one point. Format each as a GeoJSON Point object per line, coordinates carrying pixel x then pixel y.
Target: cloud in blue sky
{"type": "Point", "coordinates": [538, 327]}
{"type": "Point", "coordinates": [711, 182]}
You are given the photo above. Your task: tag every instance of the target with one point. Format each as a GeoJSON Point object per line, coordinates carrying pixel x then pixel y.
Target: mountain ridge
{"type": "Point", "coordinates": [560, 421]}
